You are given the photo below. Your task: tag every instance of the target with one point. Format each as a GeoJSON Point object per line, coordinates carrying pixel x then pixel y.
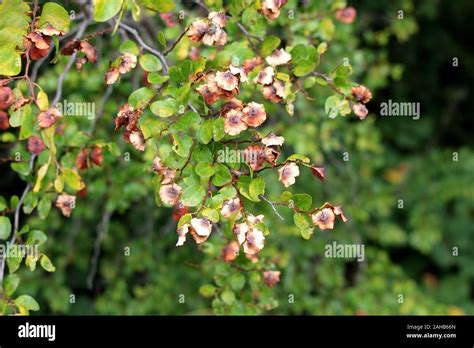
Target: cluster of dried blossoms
{"type": "Point", "coordinates": [363, 95]}
{"type": "Point", "coordinates": [122, 65]}
{"type": "Point", "coordinates": [209, 31]}
{"type": "Point", "coordinates": [324, 217]}
{"type": "Point", "coordinates": [127, 119]}
{"type": "Point", "coordinates": [66, 203]}
{"type": "Point", "coordinates": [273, 89]}
{"type": "Point", "coordinates": [80, 46]}
{"type": "Point", "coordinates": [88, 157]}
{"type": "Point", "coordinates": [271, 8]}
{"type": "Point", "coordinates": [38, 42]}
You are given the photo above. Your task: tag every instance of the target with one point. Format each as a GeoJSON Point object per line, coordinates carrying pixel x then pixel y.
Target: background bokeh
{"type": "Point", "coordinates": [409, 251]}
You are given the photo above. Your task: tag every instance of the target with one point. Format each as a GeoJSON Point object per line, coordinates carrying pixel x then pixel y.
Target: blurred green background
{"type": "Point", "coordinates": [409, 250]}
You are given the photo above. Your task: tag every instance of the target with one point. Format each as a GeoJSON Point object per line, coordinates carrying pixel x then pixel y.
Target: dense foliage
{"type": "Point", "coordinates": [237, 131]}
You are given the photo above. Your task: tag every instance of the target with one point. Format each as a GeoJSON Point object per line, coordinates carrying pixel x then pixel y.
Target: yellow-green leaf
{"type": "Point", "coordinates": [72, 179]}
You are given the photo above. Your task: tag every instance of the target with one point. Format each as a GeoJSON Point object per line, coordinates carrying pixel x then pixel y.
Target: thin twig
{"type": "Point", "coordinates": [272, 205]}
{"type": "Point", "coordinates": [100, 112]}
{"type": "Point", "coordinates": [59, 88]}
{"type": "Point", "coordinates": [101, 232]}
{"type": "Point", "coordinates": [134, 32]}
{"type": "Point", "coordinates": [168, 50]}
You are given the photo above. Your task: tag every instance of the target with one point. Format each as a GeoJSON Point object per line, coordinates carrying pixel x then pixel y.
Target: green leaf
{"type": "Point", "coordinates": [298, 157]}
{"type": "Point", "coordinates": [59, 184]}
{"type": "Point", "coordinates": [14, 258]}
{"type": "Point", "coordinates": [3, 204]}
{"type": "Point", "coordinates": [27, 123]}
{"type": "Point", "coordinates": [30, 202]}
{"type": "Point", "coordinates": [72, 179]}
{"type": "Point", "coordinates": [237, 281]}
{"type": "Point", "coordinates": [327, 29]}
{"type": "Point", "coordinates": [182, 145]}
{"type": "Point", "coordinates": [159, 5]}
{"type": "Point", "coordinates": [331, 106]}
{"type": "Point", "coordinates": [185, 219]}
{"type": "Point", "coordinates": [270, 43]}
{"type": "Point", "coordinates": [42, 101]}
{"type": "Point", "coordinates": [228, 296]}
{"type": "Point", "coordinates": [211, 214]}
{"type": "Point", "coordinates": [78, 139]}
{"type": "Point", "coordinates": [129, 46]}
{"type": "Point", "coordinates": [15, 117]}
{"type": "Point", "coordinates": [205, 132]}
{"type": "Point", "coordinates": [193, 195]}
{"type": "Point", "coordinates": [106, 9]}
{"type": "Point", "coordinates": [304, 68]}
{"type": "Point", "coordinates": [162, 39]}
{"type": "Point", "coordinates": [256, 188]}
{"type": "Point", "coordinates": [46, 263]}
{"type": "Point", "coordinates": [141, 97]}
{"type": "Point", "coordinates": [207, 290]}
{"type": "Point", "coordinates": [157, 79]}
{"type": "Point", "coordinates": [303, 201]}
{"type": "Point", "coordinates": [222, 175]}
{"type": "Point", "coordinates": [10, 62]}
{"type": "Point", "coordinates": [47, 135]}
{"type": "Point", "coordinates": [186, 121]}
{"type": "Point", "coordinates": [304, 224]}
{"type": "Point", "coordinates": [151, 126]}
{"type": "Point", "coordinates": [56, 16]}
{"type": "Point", "coordinates": [322, 48]}
{"type": "Point", "coordinates": [321, 81]}
{"type": "Point", "coordinates": [44, 207]}
{"type": "Point", "coordinates": [41, 174]}
{"type": "Point", "coordinates": [5, 227]}
{"type": "Point", "coordinates": [243, 184]}
{"type": "Point", "coordinates": [344, 108]}
{"type": "Point", "coordinates": [21, 167]}
{"type": "Point", "coordinates": [202, 154]}
{"type": "Point", "coordinates": [12, 37]}
{"type": "Point", "coordinates": [164, 108]}
{"type": "Point", "coordinates": [11, 284]}
{"type": "Point", "coordinates": [309, 82]}
{"type": "Point", "coordinates": [27, 302]}
{"type": "Point", "coordinates": [285, 197]}
{"type": "Point", "coordinates": [204, 169]}
{"type": "Point", "coordinates": [218, 129]}
{"type": "Point", "coordinates": [36, 237]}
{"type": "Point", "coordinates": [150, 63]}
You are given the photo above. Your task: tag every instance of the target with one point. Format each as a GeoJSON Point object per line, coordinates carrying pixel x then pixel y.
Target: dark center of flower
{"type": "Point", "coordinates": [228, 75]}
{"type": "Point", "coordinates": [323, 216]}
{"type": "Point", "coordinates": [212, 29]}
{"type": "Point", "coordinates": [234, 120]}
